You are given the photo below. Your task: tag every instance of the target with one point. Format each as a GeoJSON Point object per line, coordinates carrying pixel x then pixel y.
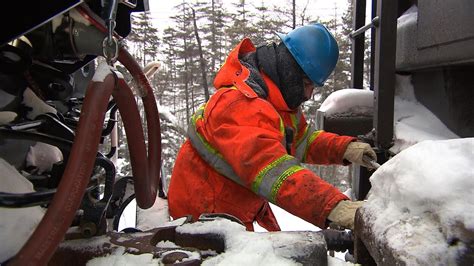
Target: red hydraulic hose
{"type": "Point", "coordinates": [50, 232]}
{"type": "Point", "coordinates": [147, 185]}
{"type": "Point", "coordinates": [145, 170]}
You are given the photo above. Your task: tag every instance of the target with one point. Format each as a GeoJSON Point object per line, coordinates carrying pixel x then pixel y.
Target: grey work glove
{"type": "Point", "coordinates": [344, 213]}
{"type": "Point", "coordinates": [356, 151]}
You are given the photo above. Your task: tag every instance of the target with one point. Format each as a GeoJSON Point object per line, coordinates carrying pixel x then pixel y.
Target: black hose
{"type": "Point", "coordinates": [24, 200]}
{"type": "Point", "coordinates": [111, 123]}
{"type": "Point", "coordinates": [110, 172]}
{"type": "Point", "coordinates": [112, 152]}
{"type": "Point", "coordinates": [338, 240]}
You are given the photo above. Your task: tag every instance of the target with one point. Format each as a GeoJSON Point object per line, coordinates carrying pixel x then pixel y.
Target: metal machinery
{"type": "Point", "coordinates": [49, 42]}
{"type": "Point", "coordinates": [437, 50]}
{"type": "Point", "coordinates": [39, 52]}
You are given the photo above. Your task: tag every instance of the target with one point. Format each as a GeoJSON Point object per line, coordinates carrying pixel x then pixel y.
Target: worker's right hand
{"type": "Point", "coordinates": [344, 213]}
{"type": "Point", "coordinates": [356, 151]}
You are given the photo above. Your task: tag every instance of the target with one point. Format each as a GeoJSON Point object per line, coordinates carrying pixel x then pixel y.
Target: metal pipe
{"type": "Point", "coordinates": [358, 45]}
{"type": "Point", "coordinates": [384, 72]}
{"type": "Point", "coordinates": [374, 23]}
{"type": "Point", "coordinates": [24, 200]}
{"type": "Point", "coordinates": [111, 123]}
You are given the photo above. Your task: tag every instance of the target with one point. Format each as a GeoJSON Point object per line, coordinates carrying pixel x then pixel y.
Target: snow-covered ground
{"type": "Point", "coordinates": [421, 200]}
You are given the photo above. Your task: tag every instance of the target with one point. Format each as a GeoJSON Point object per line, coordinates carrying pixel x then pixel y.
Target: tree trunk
{"type": "Point", "coordinates": [294, 14]}
{"type": "Point", "coordinates": [201, 58]}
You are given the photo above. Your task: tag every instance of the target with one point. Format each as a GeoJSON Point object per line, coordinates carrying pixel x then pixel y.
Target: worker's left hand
{"type": "Point", "coordinates": [344, 213]}
{"type": "Point", "coordinates": [356, 151]}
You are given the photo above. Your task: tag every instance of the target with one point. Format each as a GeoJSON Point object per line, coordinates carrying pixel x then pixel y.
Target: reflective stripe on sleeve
{"type": "Point", "coordinates": [276, 186]}
{"type": "Point", "coordinates": [302, 147]}
{"type": "Point", "coordinates": [296, 120]}
{"type": "Point", "coordinates": [269, 179]}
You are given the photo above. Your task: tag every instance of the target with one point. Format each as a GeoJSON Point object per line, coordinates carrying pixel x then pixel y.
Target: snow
{"type": "Point", "coordinates": [243, 247]}
{"type": "Point", "coordinates": [7, 117]}
{"type": "Point", "coordinates": [16, 225]}
{"type": "Point", "coordinates": [37, 105]}
{"type": "Point", "coordinates": [153, 217]}
{"type": "Point", "coordinates": [102, 70]}
{"type": "Point", "coordinates": [408, 17]}
{"type": "Point", "coordinates": [128, 218]}
{"type": "Point", "coordinates": [413, 121]}
{"type": "Point", "coordinates": [43, 156]}
{"type": "Point", "coordinates": [289, 222]}
{"type": "Point", "coordinates": [165, 111]}
{"type": "Point", "coordinates": [120, 258]}
{"type": "Point", "coordinates": [349, 102]}
{"type": "Point", "coordinates": [422, 199]}
{"type": "Point", "coordinates": [166, 244]}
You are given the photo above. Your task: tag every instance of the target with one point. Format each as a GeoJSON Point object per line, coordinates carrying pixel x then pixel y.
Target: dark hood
{"type": "Point", "coordinates": [278, 63]}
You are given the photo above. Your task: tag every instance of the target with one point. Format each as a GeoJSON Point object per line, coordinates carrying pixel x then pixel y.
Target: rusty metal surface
{"type": "Point", "coordinates": [366, 240]}
{"type": "Point", "coordinates": [79, 251]}
{"type": "Point", "coordinates": [306, 248]}
{"type": "Point", "coordinates": [371, 249]}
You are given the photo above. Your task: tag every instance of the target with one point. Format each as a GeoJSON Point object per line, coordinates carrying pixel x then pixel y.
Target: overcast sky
{"type": "Point", "coordinates": [324, 9]}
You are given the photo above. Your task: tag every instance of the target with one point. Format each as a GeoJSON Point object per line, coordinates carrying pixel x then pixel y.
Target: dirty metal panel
{"type": "Point", "coordinates": [449, 94]}
{"type": "Point", "coordinates": [443, 22]}
{"type": "Point", "coordinates": [348, 126]}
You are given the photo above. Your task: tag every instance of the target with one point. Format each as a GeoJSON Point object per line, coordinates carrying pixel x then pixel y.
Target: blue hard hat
{"type": "Point", "coordinates": [315, 50]}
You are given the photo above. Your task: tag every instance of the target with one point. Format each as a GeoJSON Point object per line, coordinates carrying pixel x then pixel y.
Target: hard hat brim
{"type": "Point", "coordinates": [280, 35]}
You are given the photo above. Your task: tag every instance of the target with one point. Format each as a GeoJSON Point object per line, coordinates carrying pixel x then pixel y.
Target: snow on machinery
{"type": "Point", "coordinates": [413, 42]}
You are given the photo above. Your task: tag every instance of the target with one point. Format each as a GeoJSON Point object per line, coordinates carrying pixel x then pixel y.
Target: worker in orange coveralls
{"type": "Point", "coordinates": [245, 146]}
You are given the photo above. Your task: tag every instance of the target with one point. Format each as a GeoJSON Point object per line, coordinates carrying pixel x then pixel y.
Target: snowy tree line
{"type": "Point", "coordinates": [202, 33]}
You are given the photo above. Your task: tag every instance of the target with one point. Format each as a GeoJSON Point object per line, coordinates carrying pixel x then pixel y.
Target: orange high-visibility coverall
{"type": "Point", "coordinates": [248, 132]}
